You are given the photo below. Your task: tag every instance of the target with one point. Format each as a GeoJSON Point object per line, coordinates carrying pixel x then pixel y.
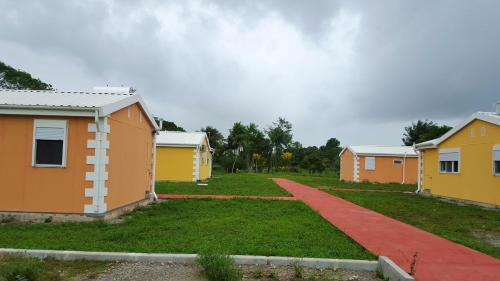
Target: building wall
{"type": "Point", "coordinates": [476, 181]}
{"type": "Point", "coordinates": [175, 163]}
{"type": "Point", "coordinates": [25, 188]}
{"type": "Point", "coordinates": [130, 157]}
{"type": "Point", "coordinates": [347, 166]}
{"type": "Point", "coordinates": [205, 163]}
{"type": "Point", "coordinates": [386, 172]}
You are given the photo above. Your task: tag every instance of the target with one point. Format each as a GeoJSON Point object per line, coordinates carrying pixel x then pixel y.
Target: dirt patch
{"type": "Point", "coordinates": [488, 237]}
{"type": "Point", "coordinates": [178, 272]}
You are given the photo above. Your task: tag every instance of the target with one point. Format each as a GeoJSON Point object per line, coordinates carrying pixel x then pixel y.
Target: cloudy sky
{"type": "Point", "coordinates": [356, 70]}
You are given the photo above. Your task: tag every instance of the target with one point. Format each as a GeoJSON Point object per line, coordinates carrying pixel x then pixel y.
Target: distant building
{"type": "Point", "coordinates": [182, 156]}
{"type": "Point", "coordinates": [74, 154]}
{"type": "Point", "coordinates": [464, 163]}
{"type": "Point", "coordinates": [379, 164]}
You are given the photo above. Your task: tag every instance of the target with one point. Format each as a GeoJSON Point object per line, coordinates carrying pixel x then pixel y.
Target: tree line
{"type": "Point", "coordinates": [251, 148]}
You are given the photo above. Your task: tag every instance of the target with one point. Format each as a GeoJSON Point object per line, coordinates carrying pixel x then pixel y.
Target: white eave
{"type": "Point", "coordinates": [489, 117]}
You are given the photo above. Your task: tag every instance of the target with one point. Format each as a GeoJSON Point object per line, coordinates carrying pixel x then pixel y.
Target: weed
{"type": "Point", "coordinates": [272, 276]}
{"type": "Point", "coordinates": [28, 270]}
{"type": "Point", "coordinates": [413, 264]}
{"type": "Point", "coordinates": [216, 267]}
{"type": "Point", "coordinates": [298, 271]}
{"type": "Point", "coordinates": [258, 273]}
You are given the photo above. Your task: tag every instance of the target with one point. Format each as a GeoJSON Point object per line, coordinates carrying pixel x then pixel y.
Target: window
{"type": "Point", "coordinates": [496, 160]}
{"type": "Point", "coordinates": [370, 163]}
{"type": "Point", "coordinates": [398, 162]}
{"type": "Point", "coordinates": [449, 161]}
{"type": "Point", "coordinates": [49, 143]}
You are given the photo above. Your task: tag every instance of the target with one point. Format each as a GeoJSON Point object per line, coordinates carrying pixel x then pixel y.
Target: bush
{"type": "Point", "coordinates": [216, 267]}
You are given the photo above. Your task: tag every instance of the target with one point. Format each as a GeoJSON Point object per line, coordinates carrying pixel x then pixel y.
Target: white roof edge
{"type": "Point", "coordinates": [380, 150]}
{"type": "Point", "coordinates": [191, 144]}
{"type": "Point", "coordinates": [489, 117]}
{"type": "Point", "coordinates": [135, 98]}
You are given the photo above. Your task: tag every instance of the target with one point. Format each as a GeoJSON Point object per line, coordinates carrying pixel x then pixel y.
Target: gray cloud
{"type": "Point", "coordinates": [346, 69]}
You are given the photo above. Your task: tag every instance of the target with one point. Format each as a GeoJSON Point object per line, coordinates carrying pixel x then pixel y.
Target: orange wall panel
{"type": "Point", "coordinates": [347, 166]}
{"type": "Point", "coordinates": [130, 157]}
{"type": "Point", "coordinates": [386, 172]}
{"type": "Point", "coordinates": [25, 188]}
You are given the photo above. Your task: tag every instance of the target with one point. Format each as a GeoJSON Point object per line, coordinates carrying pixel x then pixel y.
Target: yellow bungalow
{"type": "Point", "coordinates": [182, 156]}
{"type": "Point", "coordinates": [464, 164]}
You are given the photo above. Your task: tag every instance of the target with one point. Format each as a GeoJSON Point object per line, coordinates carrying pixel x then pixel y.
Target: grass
{"type": "Point", "coordinates": [22, 268]}
{"type": "Point", "coordinates": [471, 226]}
{"type": "Point", "coordinates": [226, 184]}
{"type": "Point", "coordinates": [331, 182]}
{"type": "Point", "coordinates": [239, 226]}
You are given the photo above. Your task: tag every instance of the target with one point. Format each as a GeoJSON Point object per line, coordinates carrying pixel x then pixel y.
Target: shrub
{"type": "Point", "coordinates": [216, 267]}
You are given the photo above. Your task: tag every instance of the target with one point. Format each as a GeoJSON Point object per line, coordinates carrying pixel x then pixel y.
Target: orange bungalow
{"type": "Point", "coordinates": [381, 164]}
{"type": "Point", "coordinates": [74, 155]}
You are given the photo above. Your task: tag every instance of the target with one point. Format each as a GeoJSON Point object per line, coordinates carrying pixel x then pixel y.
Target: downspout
{"type": "Point", "coordinates": [404, 169]}
{"type": "Point", "coordinates": [153, 179]}
{"type": "Point", "coordinates": [419, 179]}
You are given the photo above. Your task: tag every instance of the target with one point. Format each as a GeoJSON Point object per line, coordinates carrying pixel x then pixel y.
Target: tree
{"type": "Point", "coordinates": [331, 151]}
{"type": "Point", "coordinates": [11, 78]}
{"type": "Point", "coordinates": [215, 137]}
{"type": "Point", "coordinates": [280, 136]}
{"type": "Point", "coordinates": [422, 131]}
{"type": "Point", "coordinates": [168, 125]}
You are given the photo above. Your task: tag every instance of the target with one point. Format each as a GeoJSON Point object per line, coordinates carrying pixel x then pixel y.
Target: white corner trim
{"type": "Point", "coordinates": [356, 168]}
{"type": "Point", "coordinates": [99, 160]}
{"type": "Point", "coordinates": [196, 164]}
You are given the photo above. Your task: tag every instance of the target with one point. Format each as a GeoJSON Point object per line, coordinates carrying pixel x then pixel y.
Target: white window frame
{"type": "Point", "coordinates": [400, 162]}
{"type": "Point", "coordinates": [366, 162]}
{"type": "Point", "coordinates": [496, 148]}
{"type": "Point", "coordinates": [449, 150]}
{"type": "Point", "coordinates": [50, 124]}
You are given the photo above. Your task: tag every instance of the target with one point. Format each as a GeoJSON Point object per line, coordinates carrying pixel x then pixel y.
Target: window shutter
{"type": "Point", "coordinates": [46, 133]}
{"type": "Point", "coordinates": [496, 154]}
{"type": "Point", "coordinates": [449, 156]}
{"type": "Point", "coordinates": [369, 163]}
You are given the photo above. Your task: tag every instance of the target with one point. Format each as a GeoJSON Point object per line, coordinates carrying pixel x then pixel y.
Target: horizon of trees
{"type": "Point", "coordinates": [248, 147]}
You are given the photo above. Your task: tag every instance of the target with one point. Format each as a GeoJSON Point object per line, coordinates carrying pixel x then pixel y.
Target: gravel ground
{"type": "Point", "coordinates": [178, 272]}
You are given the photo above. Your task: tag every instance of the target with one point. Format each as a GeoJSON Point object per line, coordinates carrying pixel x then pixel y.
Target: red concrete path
{"type": "Point", "coordinates": [210, 196]}
{"type": "Point", "coordinates": [438, 258]}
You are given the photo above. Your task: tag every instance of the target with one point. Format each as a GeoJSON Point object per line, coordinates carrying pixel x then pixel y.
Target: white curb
{"type": "Point", "coordinates": [190, 259]}
{"type": "Point", "coordinates": [392, 271]}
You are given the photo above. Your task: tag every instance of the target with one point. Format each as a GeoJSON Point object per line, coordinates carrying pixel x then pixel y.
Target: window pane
{"type": "Point", "coordinates": [455, 166]}
{"type": "Point", "coordinates": [49, 152]}
{"type": "Point", "coordinates": [443, 166]}
{"type": "Point", "coordinates": [448, 167]}
{"type": "Point", "coordinates": [497, 167]}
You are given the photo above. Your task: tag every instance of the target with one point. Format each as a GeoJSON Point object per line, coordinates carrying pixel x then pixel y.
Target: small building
{"type": "Point", "coordinates": [74, 154]}
{"type": "Point", "coordinates": [379, 164]}
{"type": "Point", "coordinates": [464, 164]}
{"type": "Point", "coordinates": [182, 156]}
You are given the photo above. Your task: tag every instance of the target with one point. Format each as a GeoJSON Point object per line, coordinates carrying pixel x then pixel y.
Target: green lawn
{"type": "Point", "coordinates": [468, 225]}
{"type": "Point", "coordinates": [226, 184]}
{"type": "Point", "coordinates": [330, 182]}
{"type": "Point", "coordinates": [239, 226]}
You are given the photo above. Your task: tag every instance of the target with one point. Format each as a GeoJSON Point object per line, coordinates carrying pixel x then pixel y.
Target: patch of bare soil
{"type": "Point", "coordinates": [489, 237]}
{"type": "Point", "coordinates": [178, 272]}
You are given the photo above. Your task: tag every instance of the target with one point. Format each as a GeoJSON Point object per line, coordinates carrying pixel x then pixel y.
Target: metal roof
{"type": "Point", "coordinates": [59, 99]}
{"type": "Point", "coordinates": [382, 150]}
{"type": "Point", "coordinates": [174, 138]}
{"type": "Point", "coordinates": [490, 117]}
{"type": "Point", "coordinates": [46, 102]}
